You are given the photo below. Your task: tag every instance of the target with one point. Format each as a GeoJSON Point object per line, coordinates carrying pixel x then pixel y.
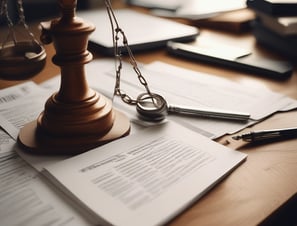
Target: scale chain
{"type": "Point", "coordinates": [116, 33]}
{"type": "Point", "coordinates": [22, 20]}
{"type": "Point", "coordinates": [4, 12]}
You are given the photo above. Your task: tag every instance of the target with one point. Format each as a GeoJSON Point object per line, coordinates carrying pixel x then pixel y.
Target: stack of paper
{"type": "Point", "coordinates": [186, 87]}
{"type": "Point", "coordinates": [26, 197]}
{"type": "Point", "coordinates": [146, 178]}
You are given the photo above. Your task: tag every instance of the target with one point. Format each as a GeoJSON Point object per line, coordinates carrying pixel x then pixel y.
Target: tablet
{"type": "Point", "coordinates": [232, 57]}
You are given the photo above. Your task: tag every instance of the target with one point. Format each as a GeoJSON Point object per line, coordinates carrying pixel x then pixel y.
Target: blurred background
{"type": "Point", "coordinates": [36, 9]}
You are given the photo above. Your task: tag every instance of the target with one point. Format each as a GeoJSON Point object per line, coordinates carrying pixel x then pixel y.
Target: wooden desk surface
{"type": "Point", "coordinates": [261, 184]}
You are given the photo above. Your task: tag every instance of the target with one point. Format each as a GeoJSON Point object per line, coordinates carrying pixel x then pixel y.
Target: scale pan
{"type": "Point", "coordinates": [21, 60]}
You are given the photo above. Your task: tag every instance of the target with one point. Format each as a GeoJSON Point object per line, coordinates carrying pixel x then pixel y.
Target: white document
{"type": "Point", "coordinates": [146, 178]}
{"type": "Point", "coordinates": [19, 105]}
{"type": "Point", "coordinates": [212, 91]}
{"type": "Point", "coordinates": [192, 9]}
{"type": "Point", "coordinates": [13, 93]}
{"type": "Point", "coordinates": [201, 9]}
{"type": "Point", "coordinates": [186, 87]}
{"type": "Point", "coordinates": [27, 199]}
{"type": "Point", "coordinates": [15, 114]}
{"type": "Point", "coordinates": [167, 5]}
{"type": "Point", "coordinates": [6, 144]}
{"type": "Point", "coordinates": [178, 85]}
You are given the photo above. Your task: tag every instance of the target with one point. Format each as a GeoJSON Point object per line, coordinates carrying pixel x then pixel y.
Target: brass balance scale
{"type": "Point", "coordinates": [28, 54]}
{"type": "Point", "coordinates": [76, 118]}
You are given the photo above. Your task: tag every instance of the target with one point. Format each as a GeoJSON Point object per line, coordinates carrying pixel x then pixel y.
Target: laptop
{"type": "Point", "coordinates": [143, 31]}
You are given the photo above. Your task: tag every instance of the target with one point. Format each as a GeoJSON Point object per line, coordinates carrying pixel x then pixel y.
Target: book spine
{"type": "Point", "coordinates": [286, 46]}
{"type": "Point", "coordinates": [275, 9]}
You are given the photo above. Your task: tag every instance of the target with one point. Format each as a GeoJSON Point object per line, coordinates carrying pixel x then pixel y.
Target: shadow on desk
{"type": "Point", "coordinates": [285, 215]}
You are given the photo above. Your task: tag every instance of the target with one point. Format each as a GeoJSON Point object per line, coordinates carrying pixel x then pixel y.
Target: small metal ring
{"type": "Point", "coordinates": [151, 107]}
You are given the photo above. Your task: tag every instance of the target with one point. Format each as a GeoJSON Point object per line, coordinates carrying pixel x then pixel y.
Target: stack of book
{"type": "Point", "coordinates": [276, 25]}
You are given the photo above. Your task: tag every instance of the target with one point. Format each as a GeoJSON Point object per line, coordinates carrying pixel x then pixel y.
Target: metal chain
{"type": "Point", "coordinates": [3, 7]}
{"type": "Point", "coordinates": [22, 20]}
{"type": "Point", "coordinates": [117, 34]}
{"type": "Point", "coordinates": [4, 12]}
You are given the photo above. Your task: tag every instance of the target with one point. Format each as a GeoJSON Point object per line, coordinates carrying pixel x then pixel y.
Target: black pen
{"type": "Point", "coordinates": [268, 135]}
